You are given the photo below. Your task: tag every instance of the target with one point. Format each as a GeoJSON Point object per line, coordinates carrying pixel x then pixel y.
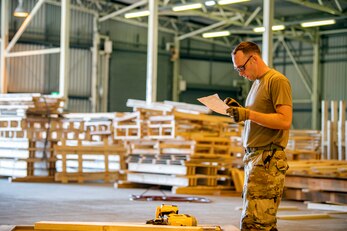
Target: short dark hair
{"type": "Point", "coordinates": [246, 48]}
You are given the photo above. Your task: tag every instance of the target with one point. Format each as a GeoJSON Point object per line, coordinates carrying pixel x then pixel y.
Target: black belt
{"type": "Point", "coordinates": [269, 147]}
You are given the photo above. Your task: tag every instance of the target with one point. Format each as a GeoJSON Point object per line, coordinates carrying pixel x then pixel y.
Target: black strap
{"type": "Point", "coordinates": [269, 157]}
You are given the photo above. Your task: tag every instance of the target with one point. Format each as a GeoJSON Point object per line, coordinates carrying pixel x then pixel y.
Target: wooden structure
{"type": "Point", "coordinates": [304, 144]}
{"type": "Point", "coordinates": [172, 145]}
{"type": "Point", "coordinates": [317, 181]}
{"type": "Point", "coordinates": [26, 122]}
{"type": "Point", "coordinates": [100, 226]}
{"type": "Point", "coordinates": [334, 130]}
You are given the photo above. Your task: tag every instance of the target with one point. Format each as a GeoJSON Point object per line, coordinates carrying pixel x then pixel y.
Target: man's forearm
{"type": "Point", "coordinates": [273, 120]}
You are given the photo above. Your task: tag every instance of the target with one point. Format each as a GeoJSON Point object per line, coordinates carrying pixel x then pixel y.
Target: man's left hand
{"type": "Point", "coordinates": [239, 113]}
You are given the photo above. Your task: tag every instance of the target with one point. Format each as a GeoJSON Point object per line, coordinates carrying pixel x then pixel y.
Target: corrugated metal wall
{"type": "Point", "coordinates": [335, 67]}
{"type": "Point", "coordinates": [40, 73]}
{"type": "Point", "coordinates": [26, 74]}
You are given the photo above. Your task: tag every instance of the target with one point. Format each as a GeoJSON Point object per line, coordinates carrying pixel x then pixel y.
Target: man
{"type": "Point", "coordinates": [268, 116]}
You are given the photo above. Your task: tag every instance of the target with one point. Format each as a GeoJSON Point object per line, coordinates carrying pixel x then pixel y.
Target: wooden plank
{"type": "Point", "coordinates": [205, 190]}
{"type": "Point", "coordinates": [303, 216]}
{"type": "Point", "coordinates": [189, 108]}
{"type": "Point", "coordinates": [85, 176]}
{"type": "Point", "coordinates": [324, 126]}
{"type": "Point", "coordinates": [238, 179]}
{"type": "Point", "coordinates": [316, 183]}
{"type": "Point", "coordinates": [47, 179]}
{"type": "Point", "coordinates": [330, 140]}
{"type": "Point", "coordinates": [320, 206]}
{"type": "Point", "coordinates": [113, 226]}
{"type": "Point", "coordinates": [341, 129]}
{"type": "Point", "coordinates": [314, 196]}
{"type": "Point", "coordinates": [207, 118]}
{"type": "Point", "coordinates": [151, 106]}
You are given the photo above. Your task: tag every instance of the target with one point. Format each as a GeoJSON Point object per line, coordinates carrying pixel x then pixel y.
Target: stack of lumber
{"type": "Point", "coordinates": [25, 123]}
{"type": "Point", "coordinates": [317, 181]}
{"type": "Point", "coordinates": [304, 144]}
{"type": "Point", "coordinates": [161, 121]}
{"type": "Point", "coordinates": [170, 145]}
{"type": "Point", "coordinates": [90, 154]}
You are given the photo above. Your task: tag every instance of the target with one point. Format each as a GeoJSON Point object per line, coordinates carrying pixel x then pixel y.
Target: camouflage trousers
{"type": "Point", "coordinates": [263, 189]}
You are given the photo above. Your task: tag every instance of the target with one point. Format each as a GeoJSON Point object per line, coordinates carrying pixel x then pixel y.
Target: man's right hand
{"type": "Point", "coordinates": [231, 102]}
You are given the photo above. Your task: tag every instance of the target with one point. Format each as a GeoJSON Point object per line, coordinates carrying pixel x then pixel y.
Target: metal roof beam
{"type": "Point", "coordinates": [316, 6]}
{"type": "Point", "coordinates": [201, 30]}
{"type": "Point", "coordinates": [309, 90]}
{"type": "Point", "coordinates": [24, 25]}
{"type": "Point", "coordinates": [123, 10]}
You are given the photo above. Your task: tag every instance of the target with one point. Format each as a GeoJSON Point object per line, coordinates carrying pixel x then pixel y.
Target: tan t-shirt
{"type": "Point", "coordinates": [266, 93]}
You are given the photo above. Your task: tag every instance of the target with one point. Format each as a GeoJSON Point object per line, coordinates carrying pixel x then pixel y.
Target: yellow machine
{"type": "Point", "coordinates": [168, 215]}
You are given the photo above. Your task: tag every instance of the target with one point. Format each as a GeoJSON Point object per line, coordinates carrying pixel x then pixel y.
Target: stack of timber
{"type": "Point", "coordinates": [91, 154]}
{"type": "Point", "coordinates": [26, 144]}
{"type": "Point", "coordinates": [304, 144]}
{"type": "Point", "coordinates": [317, 181]}
{"type": "Point", "coordinates": [334, 130]}
{"type": "Point", "coordinates": [187, 150]}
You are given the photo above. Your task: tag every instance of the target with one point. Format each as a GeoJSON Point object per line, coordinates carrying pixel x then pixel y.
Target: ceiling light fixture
{"type": "Point", "coordinates": [318, 23]}
{"type": "Point", "coordinates": [274, 28]}
{"type": "Point", "coordinates": [20, 11]}
{"type": "Point", "coordinates": [210, 3]}
{"type": "Point", "coordinates": [137, 14]}
{"type": "Point", "coordinates": [226, 2]}
{"type": "Point", "coordinates": [187, 7]}
{"type": "Point", "coordinates": [216, 34]}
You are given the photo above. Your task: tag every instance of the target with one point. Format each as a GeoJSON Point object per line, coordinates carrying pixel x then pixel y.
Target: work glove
{"type": "Point", "coordinates": [239, 113]}
{"type": "Point", "coordinates": [231, 102]}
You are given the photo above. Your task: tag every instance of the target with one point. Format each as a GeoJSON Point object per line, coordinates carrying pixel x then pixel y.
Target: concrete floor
{"type": "Point", "coordinates": [27, 203]}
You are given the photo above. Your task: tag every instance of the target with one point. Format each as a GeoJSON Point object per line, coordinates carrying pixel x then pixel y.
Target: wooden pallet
{"type": "Point", "coordinates": [129, 126]}
{"type": "Point", "coordinates": [80, 151]}
{"type": "Point", "coordinates": [304, 145]}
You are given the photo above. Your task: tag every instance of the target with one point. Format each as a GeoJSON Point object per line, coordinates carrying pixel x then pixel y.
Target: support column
{"type": "Point", "coordinates": [4, 42]}
{"type": "Point", "coordinates": [176, 72]}
{"type": "Point", "coordinates": [152, 52]}
{"type": "Point", "coordinates": [268, 16]}
{"type": "Point", "coordinates": [315, 78]}
{"type": "Point", "coordinates": [64, 50]}
{"type": "Point", "coordinates": [95, 55]}
{"type": "Point", "coordinates": [105, 77]}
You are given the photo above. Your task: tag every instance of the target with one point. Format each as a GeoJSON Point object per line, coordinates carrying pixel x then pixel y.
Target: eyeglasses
{"type": "Point", "coordinates": [243, 67]}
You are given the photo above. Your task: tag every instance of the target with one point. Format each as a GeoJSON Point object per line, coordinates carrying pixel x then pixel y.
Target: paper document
{"type": "Point", "coordinates": [214, 103]}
